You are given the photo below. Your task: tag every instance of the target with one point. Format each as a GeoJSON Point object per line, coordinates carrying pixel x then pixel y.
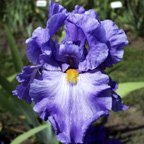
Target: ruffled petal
{"type": "Point", "coordinates": [97, 50]}
{"type": "Point", "coordinates": [87, 24]}
{"type": "Point", "coordinates": [90, 24]}
{"type": "Point", "coordinates": [69, 53]}
{"type": "Point", "coordinates": [71, 109]}
{"type": "Point", "coordinates": [117, 104]}
{"type": "Point", "coordinates": [116, 40]}
{"type": "Point", "coordinates": [55, 8]}
{"type": "Point", "coordinates": [34, 44]}
{"type": "Point", "coordinates": [25, 78]}
{"type": "Point", "coordinates": [57, 17]}
{"type": "Point", "coordinates": [96, 55]}
{"type": "Point", "coordinates": [55, 22]}
{"type": "Point", "coordinates": [49, 62]}
{"type": "Point", "coordinates": [78, 9]}
{"type": "Point", "coordinates": [75, 34]}
{"type": "Point", "coordinates": [92, 13]}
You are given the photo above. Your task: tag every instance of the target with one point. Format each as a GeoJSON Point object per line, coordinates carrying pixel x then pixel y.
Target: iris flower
{"type": "Point", "coordinates": [67, 82]}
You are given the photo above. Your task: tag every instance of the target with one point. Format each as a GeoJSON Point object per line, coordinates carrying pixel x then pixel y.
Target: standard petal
{"type": "Point", "coordinates": [116, 40]}
{"type": "Point", "coordinates": [69, 53]}
{"type": "Point", "coordinates": [34, 44]}
{"type": "Point", "coordinates": [25, 78]}
{"type": "Point", "coordinates": [71, 109]}
{"type": "Point", "coordinates": [96, 55]}
{"type": "Point", "coordinates": [86, 23]}
{"type": "Point", "coordinates": [75, 34]}
{"type": "Point", "coordinates": [78, 9]}
{"type": "Point", "coordinates": [92, 13]}
{"type": "Point", "coordinates": [55, 22]}
{"type": "Point", "coordinates": [90, 24]}
{"type": "Point", "coordinates": [97, 49]}
{"type": "Point", "coordinates": [49, 63]}
{"type": "Point", "coordinates": [57, 16]}
{"type": "Point", "coordinates": [55, 8]}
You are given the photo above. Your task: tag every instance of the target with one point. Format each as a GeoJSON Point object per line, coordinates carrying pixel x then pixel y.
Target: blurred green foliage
{"type": "Point", "coordinates": [22, 15]}
{"type": "Point", "coordinates": [135, 16]}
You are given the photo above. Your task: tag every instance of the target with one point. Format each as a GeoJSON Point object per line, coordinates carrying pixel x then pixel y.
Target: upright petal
{"type": "Point", "coordinates": [57, 17]}
{"type": "Point", "coordinates": [25, 78]}
{"type": "Point", "coordinates": [97, 50]}
{"type": "Point", "coordinates": [34, 44]}
{"type": "Point", "coordinates": [55, 22]}
{"type": "Point", "coordinates": [74, 33]}
{"type": "Point", "coordinates": [96, 55]}
{"type": "Point", "coordinates": [116, 40]}
{"type": "Point", "coordinates": [71, 109]}
{"type": "Point", "coordinates": [55, 8]}
{"type": "Point", "coordinates": [78, 9]}
{"type": "Point", "coordinates": [69, 53]}
{"type": "Point", "coordinates": [87, 24]}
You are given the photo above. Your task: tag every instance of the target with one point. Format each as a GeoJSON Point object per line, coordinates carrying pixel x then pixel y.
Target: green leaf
{"type": "Point", "coordinates": [21, 138]}
{"type": "Point", "coordinates": [126, 88]}
{"type": "Point", "coordinates": [14, 49]}
{"type": "Point", "coordinates": [6, 84]}
{"type": "Point", "coordinates": [11, 77]}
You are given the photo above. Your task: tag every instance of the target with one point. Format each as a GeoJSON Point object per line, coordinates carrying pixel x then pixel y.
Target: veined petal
{"type": "Point", "coordinates": [78, 9]}
{"type": "Point", "coordinates": [75, 34]}
{"type": "Point", "coordinates": [92, 13]}
{"type": "Point", "coordinates": [117, 104]}
{"type": "Point", "coordinates": [97, 49]}
{"type": "Point", "coordinates": [70, 53]}
{"type": "Point", "coordinates": [25, 78]}
{"type": "Point", "coordinates": [90, 24]}
{"type": "Point", "coordinates": [96, 55]}
{"type": "Point", "coordinates": [34, 44]}
{"type": "Point", "coordinates": [116, 40]}
{"type": "Point", "coordinates": [55, 8]}
{"type": "Point", "coordinates": [55, 22]}
{"type": "Point", "coordinates": [57, 17]}
{"type": "Point", "coordinates": [49, 62]}
{"type": "Point", "coordinates": [86, 23]}
{"type": "Point", "coordinates": [71, 108]}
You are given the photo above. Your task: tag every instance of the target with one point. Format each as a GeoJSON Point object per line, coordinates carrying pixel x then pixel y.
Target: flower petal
{"type": "Point", "coordinates": [55, 8]}
{"type": "Point", "coordinates": [34, 44]}
{"type": "Point", "coordinates": [98, 51]}
{"type": "Point", "coordinates": [71, 109]}
{"type": "Point", "coordinates": [96, 55]}
{"type": "Point", "coordinates": [117, 104]}
{"type": "Point", "coordinates": [57, 16]}
{"type": "Point", "coordinates": [83, 21]}
{"type": "Point", "coordinates": [49, 62]}
{"type": "Point", "coordinates": [75, 34]}
{"type": "Point", "coordinates": [55, 22]}
{"type": "Point", "coordinates": [69, 53]}
{"type": "Point", "coordinates": [116, 40]}
{"type": "Point", "coordinates": [78, 9]}
{"type": "Point", "coordinates": [25, 78]}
